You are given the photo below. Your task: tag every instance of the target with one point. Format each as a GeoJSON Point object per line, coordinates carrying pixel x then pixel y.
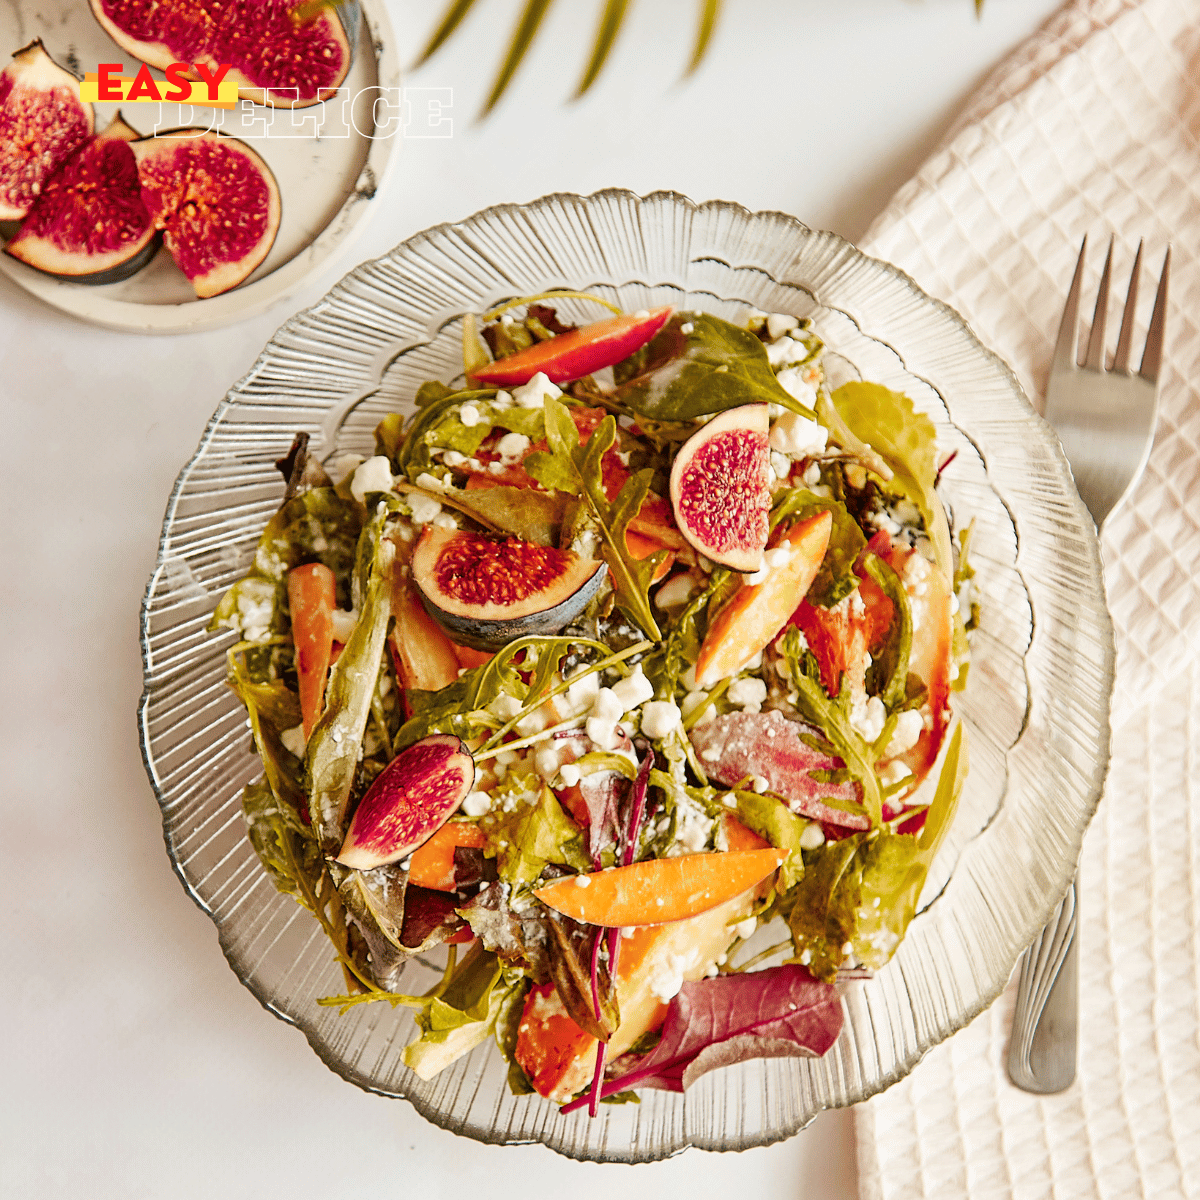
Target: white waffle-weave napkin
{"type": "Point", "coordinates": [1092, 127]}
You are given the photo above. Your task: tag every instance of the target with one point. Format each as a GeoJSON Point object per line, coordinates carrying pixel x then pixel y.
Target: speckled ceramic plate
{"type": "Point", "coordinates": [329, 162]}
{"type": "Point", "coordinates": [1035, 706]}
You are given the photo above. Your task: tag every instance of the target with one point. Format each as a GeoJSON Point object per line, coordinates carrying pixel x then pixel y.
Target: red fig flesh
{"type": "Point", "coordinates": [487, 591]}
{"type": "Point", "coordinates": [216, 202]}
{"type": "Point", "coordinates": [272, 58]}
{"type": "Point", "coordinates": [410, 800]}
{"type": "Point", "coordinates": [89, 223]}
{"type": "Point", "coordinates": [719, 487]}
{"type": "Point", "coordinates": [42, 120]}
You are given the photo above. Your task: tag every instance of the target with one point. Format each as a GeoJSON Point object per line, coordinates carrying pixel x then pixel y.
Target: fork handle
{"type": "Point", "coordinates": [1042, 1049]}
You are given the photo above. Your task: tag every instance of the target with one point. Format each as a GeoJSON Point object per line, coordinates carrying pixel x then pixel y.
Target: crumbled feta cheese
{"type": "Point", "coordinates": [581, 693]}
{"type": "Point", "coordinates": [601, 731]}
{"type": "Point", "coordinates": [668, 975]}
{"type": "Point", "coordinates": [686, 328]}
{"type": "Point", "coordinates": [893, 773]}
{"type": "Point", "coordinates": [343, 624]}
{"type": "Point", "coordinates": [496, 468]}
{"type": "Point", "coordinates": [505, 706]}
{"type": "Point", "coordinates": [607, 705]}
{"type": "Point", "coordinates": [503, 400]}
{"type": "Point", "coordinates": [760, 783]}
{"type": "Point", "coordinates": [785, 350]}
{"type": "Point", "coordinates": [375, 475]}
{"type": "Point", "coordinates": [908, 729]}
{"type": "Point", "coordinates": [533, 394]}
{"type": "Point", "coordinates": [641, 314]}
{"type": "Point", "coordinates": [798, 385]}
{"type": "Point", "coordinates": [294, 740]}
{"type": "Point", "coordinates": [729, 800]}
{"type": "Point", "coordinates": [867, 717]}
{"type": "Point", "coordinates": [812, 474]}
{"type": "Point", "coordinates": [582, 881]}
{"type": "Point", "coordinates": [659, 717]}
{"type": "Point", "coordinates": [469, 415]}
{"type": "Point", "coordinates": [423, 508]}
{"type": "Point", "coordinates": [444, 520]}
{"type": "Point", "coordinates": [570, 774]}
{"type": "Point", "coordinates": [780, 323]}
{"type": "Point", "coordinates": [696, 700]}
{"type": "Point", "coordinates": [452, 458]}
{"type": "Point", "coordinates": [749, 692]}
{"type": "Point", "coordinates": [431, 483]}
{"type": "Point", "coordinates": [780, 464]}
{"type": "Point", "coordinates": [797, 436]}
{"type": "Point", "coordinates": [675, 591]}
{"type": "Point", "coordinates": [812, 837]}
{"type": "Point", "coordinates": [256, 606]}
{"type": "Point", "coordinates": [746, 928]}
{"type": "Point", "coordinates": [633, 690]}
{"type": "Point", "coordinates": [476, 804]}
{"type": "Point", "coordinates": [532, 723]}
{"type": "Point", "coordinates": [512, 447]}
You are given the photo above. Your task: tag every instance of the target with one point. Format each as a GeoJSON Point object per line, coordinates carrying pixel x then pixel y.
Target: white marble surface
{"type": "Point", "coordinates": [134, 1062]}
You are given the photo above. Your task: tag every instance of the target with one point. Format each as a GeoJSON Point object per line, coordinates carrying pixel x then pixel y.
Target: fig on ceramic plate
{"type": "Point", "coordinates": [216, 202]}
{"type": "Point", "coordinates": [89, 224]}
{"type": "Point", "coordinates": [486, 591]}
{"type": "Point", "coordinates": [42, 119]}
{"type": "Point", "coordinates": [273, 57]}
{"type": "Point", "coordinates": [410, 800]}
{"type": "Point", "coordinates": [719, 487]}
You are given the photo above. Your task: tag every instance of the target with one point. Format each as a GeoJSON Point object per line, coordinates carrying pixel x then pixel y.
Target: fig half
{"type": "Point", "coordinates": [719, 487]}
{"type": "Point", "coordinates": [487, 591]}
{"type": "Point", "coordinates": [216, 202]}
{"type": "Point", "coordinates": [410, 800]}
{"type": "Point", "coordinates": [89, 224]}
{"type": "Point", "coordinates": [42, 119]}
{"type": "Point", "coordinates": [273, 58]}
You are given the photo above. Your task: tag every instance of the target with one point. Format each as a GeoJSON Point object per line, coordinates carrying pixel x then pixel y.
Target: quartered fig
{"type": "Point", "coordinates": [410, 800]}
{"type": "Point", "coordinates": [216, 202]}
{"type": "Point", "coordinates": [42, 120]}
{"type": "Point", "coordinates": [719, 487]}
{"type": "Point", "coordinates": [273, 58]}
{"type": "Point", "coordinates": [486, 591]}
{"type": "Point", "coordinates": [89, 223]}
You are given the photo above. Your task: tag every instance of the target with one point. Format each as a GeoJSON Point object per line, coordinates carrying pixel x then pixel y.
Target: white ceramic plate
{"type": "Point", "coordinates": [326, 182]}
{"type": "Point", "coordinates": [1035, 706]}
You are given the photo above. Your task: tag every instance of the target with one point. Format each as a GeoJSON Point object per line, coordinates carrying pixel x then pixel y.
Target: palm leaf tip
{"type": "Point", "coordinates": [710, 10]}
{"type": "Point", "coordinates": [606, 35]}
{"type": "Point", "coordinates": [522, 39]}
{"type": "Point", "coordinates": [452, 18]}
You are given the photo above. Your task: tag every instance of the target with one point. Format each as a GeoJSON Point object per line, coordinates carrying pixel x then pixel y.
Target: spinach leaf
{"type": "Point", "coordinates": [712, 367]}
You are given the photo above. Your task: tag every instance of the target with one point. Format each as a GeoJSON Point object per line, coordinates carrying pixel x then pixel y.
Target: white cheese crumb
{"type": "Point", "coordinates": [569, 774]}
{"type": "Point", "coordinates": [469, 415]}
{"type": "Point", "coordinates": [749, 692]}
{"type": "Point", "coordinates": [761, 784]}
{"type": "Point", "coordinates": [867, 718]}
{"type": "Point", "coordinates": [582, 881]}
{"type": "Point", "coordinates": [908, 729]}
{"type": "Point", "coordinates": [533, 394]}
{"type": "Point", "coordinates": [660, 717]}
{"type": "Point", "coordinates": [431, 483]}
{"type": "Point", "coordinates": [746, 928]}
{"type": "Point", "coordinates": [675, 591]}
{"type": "Point", "coordinates": [797, 436]}
{"type": "Point", "coordinates": [512, 447]}
{"type": "Point", "coordinates": [812, 837]}
{"type": "Point", "coordinates": [686, 328]}
{"type": "Point", "coordinates": [476, 804]}
{"type": "Point", "coordinates": [423, 508]}
{"type": "Point", "coordinates": [343, 624]}
{"type": "Point", "coordinates": [293, 740]}
{"type": "Point", "coordinates": [635, 689]}
{"type": "Point", "coordinates": [780, 323]}
{"type": "Point", "coordinates": [375, 475]}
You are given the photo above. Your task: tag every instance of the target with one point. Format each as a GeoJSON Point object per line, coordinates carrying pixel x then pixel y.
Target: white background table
{"type": "Point", "coordinates": [134, 1063]}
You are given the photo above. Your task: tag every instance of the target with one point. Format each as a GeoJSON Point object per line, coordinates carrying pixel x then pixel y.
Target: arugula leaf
{"type": "Point", "coordinates": [832, 717]}
{"type": "Point", "coordinates": [836, 578]}
{"type": "Point", "coordinates": [863, 890]}
{"type": "Point", "coordinates": [334, 744]}
{"type": "Point", "coordinates": [577, 470]}
{"type": "Point", "coordinates": [531, 836]}
{"type": "Point", "coordinates": [907, 439]}
{"type": "Point", "coordinates": [772, 819]}
{"type": "Point", "coordinates": [712, 367]}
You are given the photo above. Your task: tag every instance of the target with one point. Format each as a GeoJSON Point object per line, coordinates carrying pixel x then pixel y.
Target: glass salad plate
{"type": "Point", "coordinates": [1035, 705]}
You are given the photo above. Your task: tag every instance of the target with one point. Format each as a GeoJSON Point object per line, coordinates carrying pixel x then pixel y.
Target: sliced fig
{"type": "Point", "coordinates": [486, 591]}
{"type": "Point", "coordinates": [89, 223]}
{"type": "Point", "coordinates": [719, 487]}
{"type": "Point", "coordinates": [768, 745]}
{"type": "Point", "coordinates": [42, 120]}
{"type": "Point", "coordinates": [216, 202]}
{"type": "Point", "coordinates": [410, 800]}
{"type": "Point", "coordinates": [273, 58]}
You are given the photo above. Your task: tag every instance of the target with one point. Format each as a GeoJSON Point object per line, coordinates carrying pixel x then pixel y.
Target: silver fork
{"type": "Point", "coordinates": [1105, 421]}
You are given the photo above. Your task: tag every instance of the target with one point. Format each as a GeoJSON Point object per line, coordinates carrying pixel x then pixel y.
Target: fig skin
{"type": "Point", "coordinates": [410, 800]}
{"type": "Point", "coordinates": [216, 202]}
{"type": "Point", "coordinates": [719, 488]}
{"type": "Point", "coordinates": [42, 121]}
{"type": "Point", "coordinates": [257, 38]}
{"type": "Point", "coordinates": [486, 592]}
{"type": "Point", "coordinates": [89, 224]}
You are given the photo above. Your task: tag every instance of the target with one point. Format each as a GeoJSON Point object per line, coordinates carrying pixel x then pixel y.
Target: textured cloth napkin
{"type": "Point", "coordinates": [1092, 127]}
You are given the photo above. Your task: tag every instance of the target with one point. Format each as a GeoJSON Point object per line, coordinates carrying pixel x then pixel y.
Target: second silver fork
{"type": "Point", "coordinates": [1105, 421]}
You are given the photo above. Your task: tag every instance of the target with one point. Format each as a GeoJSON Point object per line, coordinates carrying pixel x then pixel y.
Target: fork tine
{"type": "Point", "coordinates": [1095, 351]}
{"type": "Point", "coordinates": [1152, 355]}
{"type": "Point", "coordinates": [1125, 337]}
{"type": "Point", "coordinates": [1066, 349]}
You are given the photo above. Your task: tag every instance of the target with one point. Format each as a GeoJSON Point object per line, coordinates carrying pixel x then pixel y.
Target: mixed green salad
{"type": "Point", "coordinates": [635, 641]}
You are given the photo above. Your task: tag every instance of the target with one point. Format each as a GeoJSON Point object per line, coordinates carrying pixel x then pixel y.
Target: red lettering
{"type": "Point", "coordinates": [212, 78]}
{"type": "Point", "coordinates": [177, 77]}
{"type": "Point", "coordinates": [108, 88]}
{"type": "Point", "coordinates": [144, 85]}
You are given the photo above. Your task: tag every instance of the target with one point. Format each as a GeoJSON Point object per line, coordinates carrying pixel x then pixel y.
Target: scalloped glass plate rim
{"type": "Point", "coordinates": [1070, 523]}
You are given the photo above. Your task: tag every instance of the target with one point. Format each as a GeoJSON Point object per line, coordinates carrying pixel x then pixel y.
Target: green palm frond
{"type": "Point", "coordinates": [450, 21]}
{"type": "Point", "coordinates": [522, 39]}
{"type": "Point", "coordinates": [606, 35]}
{"type": "Point", "coordinates": [709, 11]}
